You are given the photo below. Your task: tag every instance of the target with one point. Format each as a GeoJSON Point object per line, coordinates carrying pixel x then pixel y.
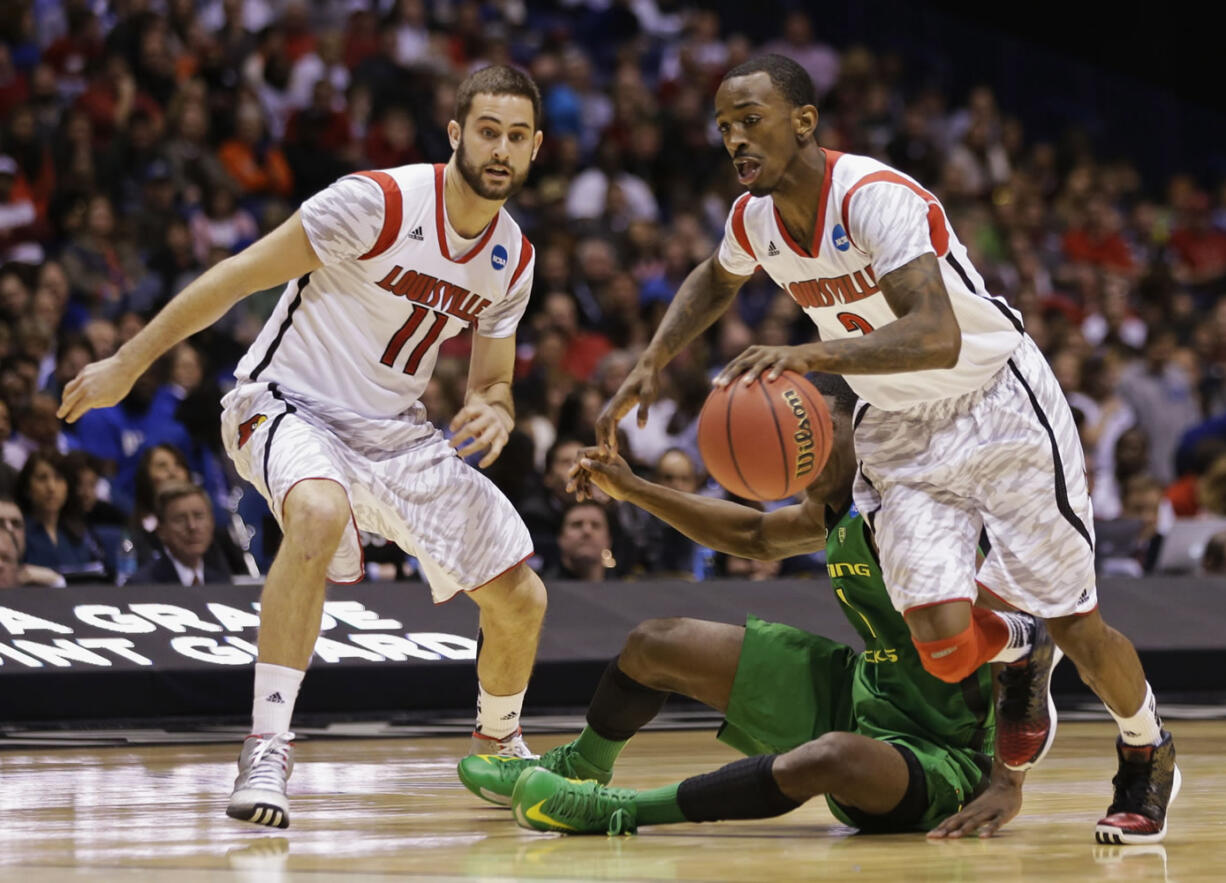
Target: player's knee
{"type": "Point", "coordinates": [815, 767]}
{"type": "Point", "coordinates": [950, 659]}
{"type": "Point", "coordinates": [649, 647]}
{"type": "Point", "coordinates": [516, 598]}
{"type": "Point", "coordinates": [316, 514]}
{"type": "Point", "coordinates": [1079, 636]}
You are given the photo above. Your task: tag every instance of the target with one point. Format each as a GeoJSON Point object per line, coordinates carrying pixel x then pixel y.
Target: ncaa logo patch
{"type": "Point", "coordinates": [498, 259]}
{"type": "Point", "coordinates": [839, 237]}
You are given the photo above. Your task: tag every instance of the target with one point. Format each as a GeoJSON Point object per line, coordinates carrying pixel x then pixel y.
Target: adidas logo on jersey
{"type": "Point", "coordinates": [275, 699]}
{"type": "Point", "coordinates": [416, 233]}
{"type": "Point", "coordinates": [772, 251]}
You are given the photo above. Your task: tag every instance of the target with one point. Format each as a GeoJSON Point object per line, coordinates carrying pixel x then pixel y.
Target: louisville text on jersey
{"type": "Point", "coordinates": [840, 290]}
{"type": "Point", "coordinates": [435, 293]}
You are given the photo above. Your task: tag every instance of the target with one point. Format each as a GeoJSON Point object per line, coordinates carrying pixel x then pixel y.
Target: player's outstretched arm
{"type": "Point", "coordinates": [703, 297]}
{"type": "Point", "coordinates": [717, 524]}
{"type": "Point", "coordinates": [488, 415]}
{"type": "Point", "coordinates": [925, 335]}
{"type": "Point", "coordinates": [283, 254]}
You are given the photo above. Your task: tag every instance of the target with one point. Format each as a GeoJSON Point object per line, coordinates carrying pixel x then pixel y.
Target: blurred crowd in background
{"type": "Point", "coordinates": [141, 141]}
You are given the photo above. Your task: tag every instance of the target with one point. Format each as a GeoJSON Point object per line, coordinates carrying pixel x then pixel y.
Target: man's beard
{"type": "Point", "coordinates": [483, 188]}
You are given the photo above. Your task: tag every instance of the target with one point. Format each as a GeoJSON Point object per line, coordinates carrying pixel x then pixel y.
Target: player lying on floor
{"type": "Point", "coordinates": [891, 747]}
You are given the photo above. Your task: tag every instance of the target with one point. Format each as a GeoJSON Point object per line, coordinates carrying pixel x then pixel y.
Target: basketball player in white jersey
{"type": "Point", "coordinates": [326, 420]}
{"type": "Point", "coordinates": [960, 426]}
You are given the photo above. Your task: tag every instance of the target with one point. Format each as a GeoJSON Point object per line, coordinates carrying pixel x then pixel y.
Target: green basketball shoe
{"type": "Point", "coordinates": [492, 777]}
{"type": "Point", "coordinates": [545, 801]}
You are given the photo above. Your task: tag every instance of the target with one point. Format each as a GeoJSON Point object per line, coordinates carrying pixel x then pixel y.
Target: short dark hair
{"type": "Point", "coordinates": [170, 491]}
{"type": "Point", "coordinates": [497, 79]}
{"type": "Point", "coordinates": [834, 386]}
{"type": "Point", "coordinates": [792, 80]}
{"type": "Point", "coordinates": [587, 504]}
{"type": "Point", "coordinates": [554, 449]}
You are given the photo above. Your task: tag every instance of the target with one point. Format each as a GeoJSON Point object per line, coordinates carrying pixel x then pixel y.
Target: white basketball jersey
{"type": "Point", "coordinates": [871, 220]}
{"type": "Point", "coordinates": [364, 330]}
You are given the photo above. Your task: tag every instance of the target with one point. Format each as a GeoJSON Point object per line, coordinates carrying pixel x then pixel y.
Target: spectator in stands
{"type": "Point", "coordinates": [1199, 249]}
{"type": "Point", "coordinates": [185, 531]}
{"type": "Point", "coordinates": [1094, 237]}
{"type": "Point", "coordinates": [17, 215]}
{"type": "Point", "coordinates": [253, 160]}
{"type": "Point", "coordinates": [542, 510]}
{"type": "Point", "coordinates": [222, 224]}
{"type": "Point", "coordinates": [1186, 494]}
{"type": "Point", "coordinates": [159, 464]}
{"type": "Point", "coordinates": [584, 349]}
{"type": "Point", "coordinates": [1130, 457]}
{"type": "Point", "coordinates": [584, 544]}
{"type": "Point", "coordinates": [56, 537]}
{"type": "Point", "coordinates": [195, 170]}
{"type": "Point", "coordinates": [666, 551]}
{"type": "Point", "coordinates": [102, 264]}
{"type": "Point", "coordinates": [1142, 499]}
{"type": "Point", "coordinates": [12, 521]}
{"type": "Point", "coordinates": [37, 428]}
{"type": "Point", "coordinates": [86, 475]}
{"type": "Point", "coordinates": [818, 59]}
{"type": "Point", "coordinates": [1161, 394]}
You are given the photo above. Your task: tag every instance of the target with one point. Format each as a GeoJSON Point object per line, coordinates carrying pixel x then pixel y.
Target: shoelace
{"type": "Point", "coordinates": [1016, 695]}
{"type": "Point", "coordinates": [591, 806]}
{"type": "Point", "coordinates": [270, 761]}
{"type": "Point", "coordinates": [1133, 787]}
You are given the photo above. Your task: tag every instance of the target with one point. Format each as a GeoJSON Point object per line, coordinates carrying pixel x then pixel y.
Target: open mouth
{"type": "Point", "coordinates": [747, 169]}
{"type": "Point", "coordinates": [498, 173]}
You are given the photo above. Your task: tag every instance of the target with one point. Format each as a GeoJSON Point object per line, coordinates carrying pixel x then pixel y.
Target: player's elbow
{"type": "Point", "coordinates": [948, 343]}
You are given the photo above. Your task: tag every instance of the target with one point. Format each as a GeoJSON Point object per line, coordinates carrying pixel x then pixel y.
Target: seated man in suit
{"type": "Point", "coordinates": [185, 527]}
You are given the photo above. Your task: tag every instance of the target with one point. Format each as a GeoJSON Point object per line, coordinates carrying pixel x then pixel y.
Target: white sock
{"type": "Point", "coordinates": [276, 690]}
{"type": "Point", "coordinates": [498, 716]}
{"type": "Point", "coordinates": [1144, 727]}
{"type": "Point", "coordinates": [1021, 629]}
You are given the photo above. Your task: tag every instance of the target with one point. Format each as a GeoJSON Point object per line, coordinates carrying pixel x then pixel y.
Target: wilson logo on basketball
{"type": "Point", "coordinates": [803, 435]}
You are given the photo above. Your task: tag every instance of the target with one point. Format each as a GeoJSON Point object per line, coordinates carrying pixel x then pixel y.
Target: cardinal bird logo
{"type": "Point", "coordinates": [247, 427]}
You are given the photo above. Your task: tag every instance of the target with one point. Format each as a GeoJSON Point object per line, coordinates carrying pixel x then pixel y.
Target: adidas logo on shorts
{"type": "Point", "coordinates": [275, 699]}
{"type": "Point", "coordinates": [416, 233]}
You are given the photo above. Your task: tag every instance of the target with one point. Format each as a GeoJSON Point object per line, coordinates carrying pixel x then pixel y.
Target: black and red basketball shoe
{"type": "Point", "coordinates": [1145, 787]}
{"type": "Point", "coordinates": [1025, 712]}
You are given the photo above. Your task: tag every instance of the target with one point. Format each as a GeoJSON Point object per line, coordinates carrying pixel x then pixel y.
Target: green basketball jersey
{"type": "Point", "coordinates": [891, 692]}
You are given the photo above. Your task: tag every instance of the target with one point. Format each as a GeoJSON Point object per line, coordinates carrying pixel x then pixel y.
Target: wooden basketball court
{"type": "Point", "coordinates": [376, 809]}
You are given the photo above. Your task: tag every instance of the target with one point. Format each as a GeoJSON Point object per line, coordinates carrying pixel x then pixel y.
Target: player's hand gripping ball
{"type": "Point", "coordinates": [767, 440]}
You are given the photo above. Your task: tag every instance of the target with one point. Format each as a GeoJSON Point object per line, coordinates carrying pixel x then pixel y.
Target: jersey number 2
{"type": "Point", "coordinates": [852, 322]}
{"type": "Point", "coordinates": [407, 330]}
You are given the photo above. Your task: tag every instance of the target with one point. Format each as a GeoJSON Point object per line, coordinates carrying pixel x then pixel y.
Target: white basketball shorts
{"type": "Point", "coordinates": [1006, 458]}
{"type": "Point", "coordinates": [403, 480]}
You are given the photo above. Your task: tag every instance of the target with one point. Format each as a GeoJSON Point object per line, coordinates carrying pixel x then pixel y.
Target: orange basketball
{"type": "Point", "coordinates": [768, 440]}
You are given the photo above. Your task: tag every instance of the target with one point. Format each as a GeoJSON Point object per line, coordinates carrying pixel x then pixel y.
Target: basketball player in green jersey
{"type": "Point", "coordinates": [891, 747]}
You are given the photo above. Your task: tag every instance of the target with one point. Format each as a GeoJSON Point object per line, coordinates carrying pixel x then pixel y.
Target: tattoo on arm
{"type": "Point", "coordinates": [703, 297]}
{"type": "Point", "coordinates": [925, 335]}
